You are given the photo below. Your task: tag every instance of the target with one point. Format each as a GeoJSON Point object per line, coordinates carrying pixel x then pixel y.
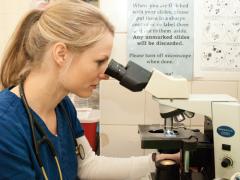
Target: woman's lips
{"type": "Point", "coordinates": [94, 86]}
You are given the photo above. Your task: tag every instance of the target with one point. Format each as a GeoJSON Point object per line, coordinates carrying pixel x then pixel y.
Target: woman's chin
{"type": "Point", "coordinates": [85, 94]}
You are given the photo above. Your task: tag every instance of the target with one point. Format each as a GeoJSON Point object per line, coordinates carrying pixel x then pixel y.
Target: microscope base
{"type": "Point", "coordinates": [194, 176]}
{"type": "Point", "coordinates": [199, 147]}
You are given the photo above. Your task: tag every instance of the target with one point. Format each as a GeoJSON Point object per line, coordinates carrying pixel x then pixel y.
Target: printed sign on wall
{"type": "Point", "coordinates": [160, 35]}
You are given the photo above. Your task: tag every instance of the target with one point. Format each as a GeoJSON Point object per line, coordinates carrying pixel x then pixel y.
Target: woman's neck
{"type": "Point", "coordinates": [43, 94]}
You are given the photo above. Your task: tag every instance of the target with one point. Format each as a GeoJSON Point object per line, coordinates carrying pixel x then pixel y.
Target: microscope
{"type": "Point", "coordinates": [207, 155]}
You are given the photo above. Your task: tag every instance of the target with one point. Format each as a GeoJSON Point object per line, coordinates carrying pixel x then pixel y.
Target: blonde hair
{"type": "Point", "coordinates": [73, 22]}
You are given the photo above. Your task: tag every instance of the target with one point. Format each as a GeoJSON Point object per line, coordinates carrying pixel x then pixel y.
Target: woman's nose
{"type": "Point", "coordinates": [102, 75]}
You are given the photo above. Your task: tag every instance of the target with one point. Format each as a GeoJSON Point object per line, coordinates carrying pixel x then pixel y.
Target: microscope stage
{"type": "Point", "coordinates": [154, 137]}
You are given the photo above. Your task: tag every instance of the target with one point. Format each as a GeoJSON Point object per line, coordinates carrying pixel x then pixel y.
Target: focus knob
{"type": "Point", "coordinates": [226, 162]}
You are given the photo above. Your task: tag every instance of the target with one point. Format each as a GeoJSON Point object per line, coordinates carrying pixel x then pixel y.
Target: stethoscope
{"type": "Point", "coordinates": [44, 139]}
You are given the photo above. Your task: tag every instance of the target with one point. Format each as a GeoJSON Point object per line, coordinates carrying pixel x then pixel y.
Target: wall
{"type": "Point", "coordinates": [122, 110]}
{"type": "Point", "coordinates": [10, 13]}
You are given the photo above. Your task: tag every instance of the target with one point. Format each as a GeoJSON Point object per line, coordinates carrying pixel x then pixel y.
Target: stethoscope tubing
{"type": "Point", "coordinates": [37, 143]}
{"type": "Point", "coordinates": [79, 150]}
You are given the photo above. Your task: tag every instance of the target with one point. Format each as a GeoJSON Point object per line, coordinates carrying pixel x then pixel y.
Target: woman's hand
{"type": "Point", "coordinates": [175, 157]}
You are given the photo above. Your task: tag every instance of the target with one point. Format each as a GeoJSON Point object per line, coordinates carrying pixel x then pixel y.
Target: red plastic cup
{"type": "Point", "coordinates": [90, 131]}
{"type": "Point", "coordinates": [89, 118]}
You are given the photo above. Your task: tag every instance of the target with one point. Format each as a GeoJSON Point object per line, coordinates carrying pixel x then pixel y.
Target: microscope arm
{"type": "Point", "coordinates": [167, 87]}
{"type": "Point", "coordinates": [197, 103]}
{"type": "Point", "coordinates": [136, 78]}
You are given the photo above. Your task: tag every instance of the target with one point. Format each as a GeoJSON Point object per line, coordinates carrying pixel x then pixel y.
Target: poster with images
{"type": "Point", "coordinates": [218, 40]}
{"type": "Point", "coordinates": [160, 35]}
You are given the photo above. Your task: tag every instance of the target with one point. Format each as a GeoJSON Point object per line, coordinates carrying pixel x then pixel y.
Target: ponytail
{"type": "Point", "coordinates": [16, 57]}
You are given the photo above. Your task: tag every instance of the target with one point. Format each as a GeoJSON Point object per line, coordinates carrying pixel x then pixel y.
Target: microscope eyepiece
{"type": "Point", "coordinates": [133, 76]}
{"type": "Point", "coordinates": [115, 70]}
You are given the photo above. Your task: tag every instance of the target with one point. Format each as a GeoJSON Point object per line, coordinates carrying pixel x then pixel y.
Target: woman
{"type": "Point", "coordinates": [62, 49]}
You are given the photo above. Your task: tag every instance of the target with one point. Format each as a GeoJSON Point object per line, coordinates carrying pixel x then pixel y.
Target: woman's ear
{"type": "Point", "coordinates": [60, 52]}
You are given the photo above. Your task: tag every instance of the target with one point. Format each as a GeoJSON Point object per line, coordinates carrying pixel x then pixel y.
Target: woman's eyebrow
{"type": "Point", "coordinates": [104, 57]}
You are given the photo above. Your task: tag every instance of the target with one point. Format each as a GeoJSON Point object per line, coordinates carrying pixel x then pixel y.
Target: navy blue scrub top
{"type": "Point", "coordinates": [17, 158]}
